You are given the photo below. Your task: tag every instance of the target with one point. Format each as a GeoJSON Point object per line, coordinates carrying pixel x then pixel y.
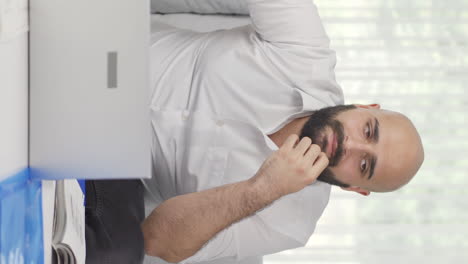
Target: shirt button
{"type": "Point", "coordinates": [220, 123]}
{"type": "Point", "coordinates": [185, 115]}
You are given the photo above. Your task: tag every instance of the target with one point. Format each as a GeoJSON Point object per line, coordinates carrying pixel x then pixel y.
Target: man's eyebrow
{"type": "Point", "coordinates": [376, 130]}
{"type": "Point", "coordinates": [375, 137]}
{"type": "Point", "coordinates": [373, 161]}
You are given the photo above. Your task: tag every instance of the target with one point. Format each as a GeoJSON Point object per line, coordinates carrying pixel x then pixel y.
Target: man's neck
{"type": "Point", "coordinates": [293, 127]}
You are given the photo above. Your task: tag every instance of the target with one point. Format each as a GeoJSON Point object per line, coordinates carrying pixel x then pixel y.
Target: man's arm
{"type": "Point", "coordinates": [180, 226]}
{"type": "Point", "coordinates": [295, 22]}
{"type": "Point", "coordinates": [293, 37]}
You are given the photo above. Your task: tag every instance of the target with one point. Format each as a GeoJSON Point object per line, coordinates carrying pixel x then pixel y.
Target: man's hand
{"type": "Point", "coordinates": [292, 167]}
{"type": "Point", "coordinates": [180, 226]}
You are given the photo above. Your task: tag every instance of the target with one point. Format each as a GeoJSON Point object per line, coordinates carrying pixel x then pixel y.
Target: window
{"type": "Point", "coordinates": [412, 57]}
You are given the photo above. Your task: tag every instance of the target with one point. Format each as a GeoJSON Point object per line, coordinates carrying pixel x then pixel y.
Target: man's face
{"type": "Point", "coordinates": [367, 147]}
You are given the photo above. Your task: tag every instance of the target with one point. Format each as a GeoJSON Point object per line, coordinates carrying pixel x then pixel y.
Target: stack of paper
{"type": "Point", "coordinates": [68, 239]}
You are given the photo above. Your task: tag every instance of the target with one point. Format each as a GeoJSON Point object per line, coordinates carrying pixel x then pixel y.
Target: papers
{"type": "Point", "coordinates": [48, 204]}
{"type": "Point", "coordinates": [68, 239]}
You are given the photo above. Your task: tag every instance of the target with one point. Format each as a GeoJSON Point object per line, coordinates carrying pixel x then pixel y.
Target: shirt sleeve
{"type": "Point", "coordinates": [294, 22]}
{"type": "Point", "coordinates": [291, 36]}
{"type": "Point", "coordinates": [287, 223]}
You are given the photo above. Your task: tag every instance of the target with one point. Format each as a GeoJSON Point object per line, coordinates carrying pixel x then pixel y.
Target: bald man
{"type": "Point", "coordinates": [369, 149]}
{"type": "Point", "coordinates": [360, 148]}
{"type": "Point", "coordinates": [250, 131]}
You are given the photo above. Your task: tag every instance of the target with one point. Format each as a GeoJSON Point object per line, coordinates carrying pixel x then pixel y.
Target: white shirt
{"type": "Point", "coordinates": [216, 97]}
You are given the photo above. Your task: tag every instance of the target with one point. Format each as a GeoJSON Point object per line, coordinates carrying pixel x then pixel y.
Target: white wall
{"type": "Point", "coordinates": [13, 105]}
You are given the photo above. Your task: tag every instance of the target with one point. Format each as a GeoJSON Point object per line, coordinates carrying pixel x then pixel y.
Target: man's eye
{"type": "Point", "coordinates": [363, 165]}
{"type": "Point", "coordinates": [367, 131]}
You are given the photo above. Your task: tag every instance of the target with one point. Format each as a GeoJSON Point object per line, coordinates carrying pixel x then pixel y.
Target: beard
{"type": "Point", "coordinates": [315, 129]}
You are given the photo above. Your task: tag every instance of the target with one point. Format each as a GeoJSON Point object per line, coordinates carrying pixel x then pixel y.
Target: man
{"type": "Point", "coordinates": [245, 121]}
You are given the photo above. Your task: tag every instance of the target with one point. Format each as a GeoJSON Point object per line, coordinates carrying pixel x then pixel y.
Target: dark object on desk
{"type": "Point", "coordinates": [114, 212]}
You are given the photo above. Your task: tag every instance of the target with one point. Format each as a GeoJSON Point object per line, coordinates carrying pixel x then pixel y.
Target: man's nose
{"type": "Point", "coordinates": [353, 145]}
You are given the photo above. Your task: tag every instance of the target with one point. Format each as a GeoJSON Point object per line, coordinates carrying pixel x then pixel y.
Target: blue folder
{"type": "Point", "coordinates": [21, 239]}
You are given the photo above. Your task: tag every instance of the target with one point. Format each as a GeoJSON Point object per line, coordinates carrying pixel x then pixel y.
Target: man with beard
{"type": "Point", "coordinates": [360, 148]}
{"type": "Point", "coordinates": [245, 122]}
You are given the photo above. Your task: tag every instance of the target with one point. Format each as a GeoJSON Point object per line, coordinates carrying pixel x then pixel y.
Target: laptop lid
{"type": "Point", "coordinates": [89, 89]}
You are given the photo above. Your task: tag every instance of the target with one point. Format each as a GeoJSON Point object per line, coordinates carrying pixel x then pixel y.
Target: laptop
{"type": "Point", "coordinates": [89, 89]}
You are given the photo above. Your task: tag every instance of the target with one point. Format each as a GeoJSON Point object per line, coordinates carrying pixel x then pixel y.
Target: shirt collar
{"type": "Point", "coordinates": [271, 145]}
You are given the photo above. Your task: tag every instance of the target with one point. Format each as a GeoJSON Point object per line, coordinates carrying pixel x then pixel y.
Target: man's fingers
{"type": "Point", "coordinates": [303, 146]}
{"type": "Point", "coordinates": [312, 154]}
{"type": "Point", "coordinates": [290, 142]}
{"type": "Point", "coordinates": [320, 164]}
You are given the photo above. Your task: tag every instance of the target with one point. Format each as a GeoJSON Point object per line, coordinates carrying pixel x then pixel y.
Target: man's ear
{"type": "Point", "coordinates": [357, 189]}
{"type": "Point", "coordinates": [369, 106]}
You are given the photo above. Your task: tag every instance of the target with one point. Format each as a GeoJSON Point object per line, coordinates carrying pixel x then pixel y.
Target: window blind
{"type": "Point", "coordinates": [411, 57]}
